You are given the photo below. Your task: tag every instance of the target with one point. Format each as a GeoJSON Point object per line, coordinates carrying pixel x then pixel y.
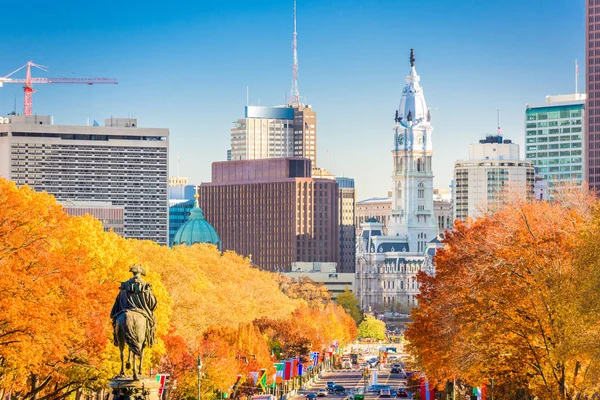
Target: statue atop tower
{"type": "Point", "coordinates": [412, 57]}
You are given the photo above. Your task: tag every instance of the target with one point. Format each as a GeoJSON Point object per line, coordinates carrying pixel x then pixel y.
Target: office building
{"type": "Point", "coordinates": [493, 170]}
{"type": "Point", "coordinates": [555, 139]}
{"type": "Point", "coordinates": [592, 79]}
{"type": "Point", "coordinates": [443, 210]}
{"type": "Point", "coordinates": [273, 210]}
{"type": "Point", "coordinates": [378, 208]}
{"type": "Point", "coordinates": [387, 264]}
{"type": "Point", "coordinates": [111, 216]}
{"type": "Point", "coordinates": [327, 274]}
{"type": "Point", "coordinates": [346, 207]}
{"type": "Point", "coordinates": [118, 163]}
{"type": "Point", "coordinates": [275, 132]}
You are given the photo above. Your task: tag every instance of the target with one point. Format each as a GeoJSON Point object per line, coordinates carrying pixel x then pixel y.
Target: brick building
{"type": "Point", "coordinates": [273, 210]}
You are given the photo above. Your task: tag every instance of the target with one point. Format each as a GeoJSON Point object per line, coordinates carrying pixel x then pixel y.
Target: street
{"type": "Point", "coordinates": [352, 380]}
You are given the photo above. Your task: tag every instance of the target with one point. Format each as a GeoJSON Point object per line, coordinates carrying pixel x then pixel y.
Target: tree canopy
{"type": "Point", "coordinates": [371, 328]}
{"type": "Point", "coordinates": [349, 303]}
{"type": "Point", "coordinates": [59, 276]}
{"type": "Point", "coordinates": [516, 299]}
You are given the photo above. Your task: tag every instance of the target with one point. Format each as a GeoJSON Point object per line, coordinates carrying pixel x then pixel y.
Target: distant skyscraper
{"type": "Point", "coordinates": [347, 203]}
{"type": "Point", "coordinates": [118, 163]}
{"type": "Point", "coordinates": [555, 137]}
{"type": "Point", "coordinates": [273, 210]}
{"type": "Point", "coordinates": [494, 166]}
{"type": "Point", "coordinates": [112, 217]}
{"type": "Point", "coordinates": [592, 78]}
{"type": "Point", "coordinates": [275, 132]}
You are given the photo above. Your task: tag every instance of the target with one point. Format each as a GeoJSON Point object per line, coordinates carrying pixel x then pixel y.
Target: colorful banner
{"type": "Point", "coordinates": [426, 393]}
{"type": "Point", "coordinates": [161, 379]}
{"type": "Point", "coordinates": [315, 357]}
{"type": "Point", "coordinates": [287, 372]}
{"type": "Point", "coordinates": [279, 367]}
{"type": "Point", "coordinates": [262, 381]}
{"type": "Point", "coordinates": [294, 367]}
{"type": "Point", "coordinates": [300, 369]}
{"type": "Point", "coordinates": [254, 376]}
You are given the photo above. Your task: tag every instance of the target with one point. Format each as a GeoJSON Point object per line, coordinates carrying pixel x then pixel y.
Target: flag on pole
{"type": "Point", "coordinates": [161, 379]}
{"type": "Point", "coordinates": [300, 369]}
{"type": "Point", "coordinates": [262, 381]}
{"type": "Point", "coordinates": [500, 131]}
{"type": "Point", "coordinates": [294, 367]}
{"type": "Point", "coordinates": [279, 367]}
{"type": "Point", "coordinates": [576, 68]}
{"type": "Point", "coordinates": [287, 372]}
{"type": "Point", "coordinates": [254, 376]}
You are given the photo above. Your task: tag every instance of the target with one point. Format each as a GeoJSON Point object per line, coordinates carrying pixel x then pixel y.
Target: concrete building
{"type": "Point", "coordinates": [493, 169]}
{"type": "Point", "coordinates": [555, 139]}
{"type": "Point", "coordinates": [111, 216]}
{"type": "Point", "coordinates": [325, 273]}
{"type": "Point", "coordinates": [178, 181]}
{"type": "Point", "coordinates": [592, 79]}
{"type": "Point", "coordinates": [275, 132]}
{"type": "Point", "coordinates": [387, 265]}
{"type": "Point", "coordinates": [346, 207]}
{"type": "Point", "coordinates": [273, 210]}
{"type": "Point", "coordinates": [378, 208]}
{"type": "Point", "coordinates": [118, 163]}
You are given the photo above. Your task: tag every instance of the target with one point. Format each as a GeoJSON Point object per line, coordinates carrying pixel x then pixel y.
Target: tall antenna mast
{"type": "Point", "coordinates": [576, 76]}
{"type": "Point", "coordinates": [294, 94]}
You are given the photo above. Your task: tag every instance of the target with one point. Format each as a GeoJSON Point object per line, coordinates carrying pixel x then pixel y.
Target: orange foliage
{"type": "Point", "coordinates": [507, 302]}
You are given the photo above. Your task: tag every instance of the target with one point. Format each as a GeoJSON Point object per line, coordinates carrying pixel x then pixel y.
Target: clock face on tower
{"type": "Point", "coordinates": [400, 139]}
{"type": "Point", "coordinates": [420, 138]}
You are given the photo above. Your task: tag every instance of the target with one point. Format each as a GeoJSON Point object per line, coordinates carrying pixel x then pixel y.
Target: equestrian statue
{"type": "Point", "coordinates": [133, 319]}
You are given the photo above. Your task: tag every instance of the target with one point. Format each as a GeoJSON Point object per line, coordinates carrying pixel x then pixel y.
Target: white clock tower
{"type": "Point", "coordinates": [412, 198]}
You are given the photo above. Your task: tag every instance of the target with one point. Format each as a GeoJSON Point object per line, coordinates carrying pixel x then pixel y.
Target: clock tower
{"type": "Point", "coordinates": [412, 198]}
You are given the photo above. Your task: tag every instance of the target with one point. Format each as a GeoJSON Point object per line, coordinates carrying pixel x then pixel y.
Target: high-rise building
{"type": "Point", "coordinates": [264, 132]}
{"type": "Point", "coordinates": [118, 163]}
{"type": "Point", "coordinates": [305, 133]}
{"type": "Point", "coordinates": [555, 139]}
{"type": "Point", "coordinates": [387, 265]}
{"type": "Point", "coordinates": [179, 212]}
{"type": "Point", "coordinates": [112, 217]}
{"type": "Point", "coordinates": [346, 207]}
{"type": "Point", "coordinates": [494, 167]}
{"type": "Point", "coordinates": [275, 132]}
{"type": "Point", "coordinates": [592, 78]}
{"type": "Point", "coordinates": [273, 210]}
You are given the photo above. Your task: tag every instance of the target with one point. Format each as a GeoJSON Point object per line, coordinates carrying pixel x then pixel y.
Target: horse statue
{"type": "Point", "coordinates": [133, 320]}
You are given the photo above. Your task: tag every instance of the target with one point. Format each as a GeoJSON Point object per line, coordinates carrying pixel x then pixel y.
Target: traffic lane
{"type": "Point", "coordinates": [349, 379]}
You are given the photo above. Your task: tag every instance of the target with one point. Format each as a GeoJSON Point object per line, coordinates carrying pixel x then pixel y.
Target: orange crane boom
{"type": "Point", "coordinates": [28, 81]}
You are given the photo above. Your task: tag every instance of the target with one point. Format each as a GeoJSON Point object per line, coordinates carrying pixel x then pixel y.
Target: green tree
{"type": "Point", "coordinates": [371, 328]}
{"type": "Point", "coordinates": [349, 303]}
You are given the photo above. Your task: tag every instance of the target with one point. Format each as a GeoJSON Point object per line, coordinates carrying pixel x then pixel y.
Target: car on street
{"type": "Point", "coordinates": [385, 393]}
{"type": "Point", "coordinates": [330, 384]}
{"type": "Point", "coordinates": [322, 393]}
{"type": "Point", "coordinates": [311, 396]}
{"type": "Point", "coordinates": [339, 389]}
{"type": "Point", "coordinates": [395, 370]}
{"type": "Point", "coordinates": [402, 393]}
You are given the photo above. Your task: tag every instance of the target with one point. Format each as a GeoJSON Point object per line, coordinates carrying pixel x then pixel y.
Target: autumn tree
{"type": "Point", "coordinates": [304, 288]}
{"type": "Point", "coordinates": [349, 303]}
{"type": "Point", "coordinates": [515, 298]}
{"type": "Point", "coordinates": [371, 328]}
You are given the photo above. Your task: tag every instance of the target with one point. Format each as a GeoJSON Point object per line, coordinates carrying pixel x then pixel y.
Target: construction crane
{"type": "Point", "coordinates": [29, 81]}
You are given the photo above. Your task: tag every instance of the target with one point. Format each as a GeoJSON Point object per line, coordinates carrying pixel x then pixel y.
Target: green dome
{"type": "Point", "coordinates": [196, 230]}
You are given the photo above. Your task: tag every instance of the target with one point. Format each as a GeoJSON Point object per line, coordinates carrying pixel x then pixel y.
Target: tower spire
{"type": "Point", "coordinates": [412, 57]}
{"type": "Point", "coordinates": [294, 94]}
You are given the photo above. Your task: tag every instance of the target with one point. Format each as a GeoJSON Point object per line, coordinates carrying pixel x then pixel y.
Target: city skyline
{"type": "Point", "coordinates": [189, 71]}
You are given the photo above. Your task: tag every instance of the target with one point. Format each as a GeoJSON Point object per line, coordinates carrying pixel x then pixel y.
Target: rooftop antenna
{"type": "Point", "coordinates": [576, 76]}
{"type": "Point", "coordinates": [294, 94]}
{"type": "Point", "coordinates": [247, 95]}
{"type": "Point", "coordinates": [177, 162]}
{"type": "Point", "coordinates": [499, 132]}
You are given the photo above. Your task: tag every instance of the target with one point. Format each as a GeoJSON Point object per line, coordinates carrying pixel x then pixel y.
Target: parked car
{"type": "Point", "coordinates": [322, 393]}
{"type": "Point", "coordinates": [339, 389]}
{"type": "Point", "coordinates": [402, 393]}
{"type": "Point", "coordinates": [330, 386]}
{"type": "Point", "coordinates": [385, 393]}
{"type": "Point", "coordinates": [311, 396]}
{"type": "Point", "coordinates": [395, 370]}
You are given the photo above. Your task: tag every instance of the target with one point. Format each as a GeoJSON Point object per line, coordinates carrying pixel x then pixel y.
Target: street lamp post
{"type": "Point", "coordinates": [199, 375]}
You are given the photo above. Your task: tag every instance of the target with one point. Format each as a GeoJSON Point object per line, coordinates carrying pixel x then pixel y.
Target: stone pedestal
{"type": "Point", "coordinates": [125, 388]}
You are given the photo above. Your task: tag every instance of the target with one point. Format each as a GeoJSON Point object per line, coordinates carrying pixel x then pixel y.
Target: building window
{"type": "Point", "coordinates": [421, 190]}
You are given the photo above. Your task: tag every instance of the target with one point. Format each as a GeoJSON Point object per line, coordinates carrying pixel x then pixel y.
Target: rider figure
{"type": "Point", "coordinates": [136, 295]}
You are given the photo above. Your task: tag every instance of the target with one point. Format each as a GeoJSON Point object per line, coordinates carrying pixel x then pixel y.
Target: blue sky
{"type": "Point", "coordinates": [186, 65]}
